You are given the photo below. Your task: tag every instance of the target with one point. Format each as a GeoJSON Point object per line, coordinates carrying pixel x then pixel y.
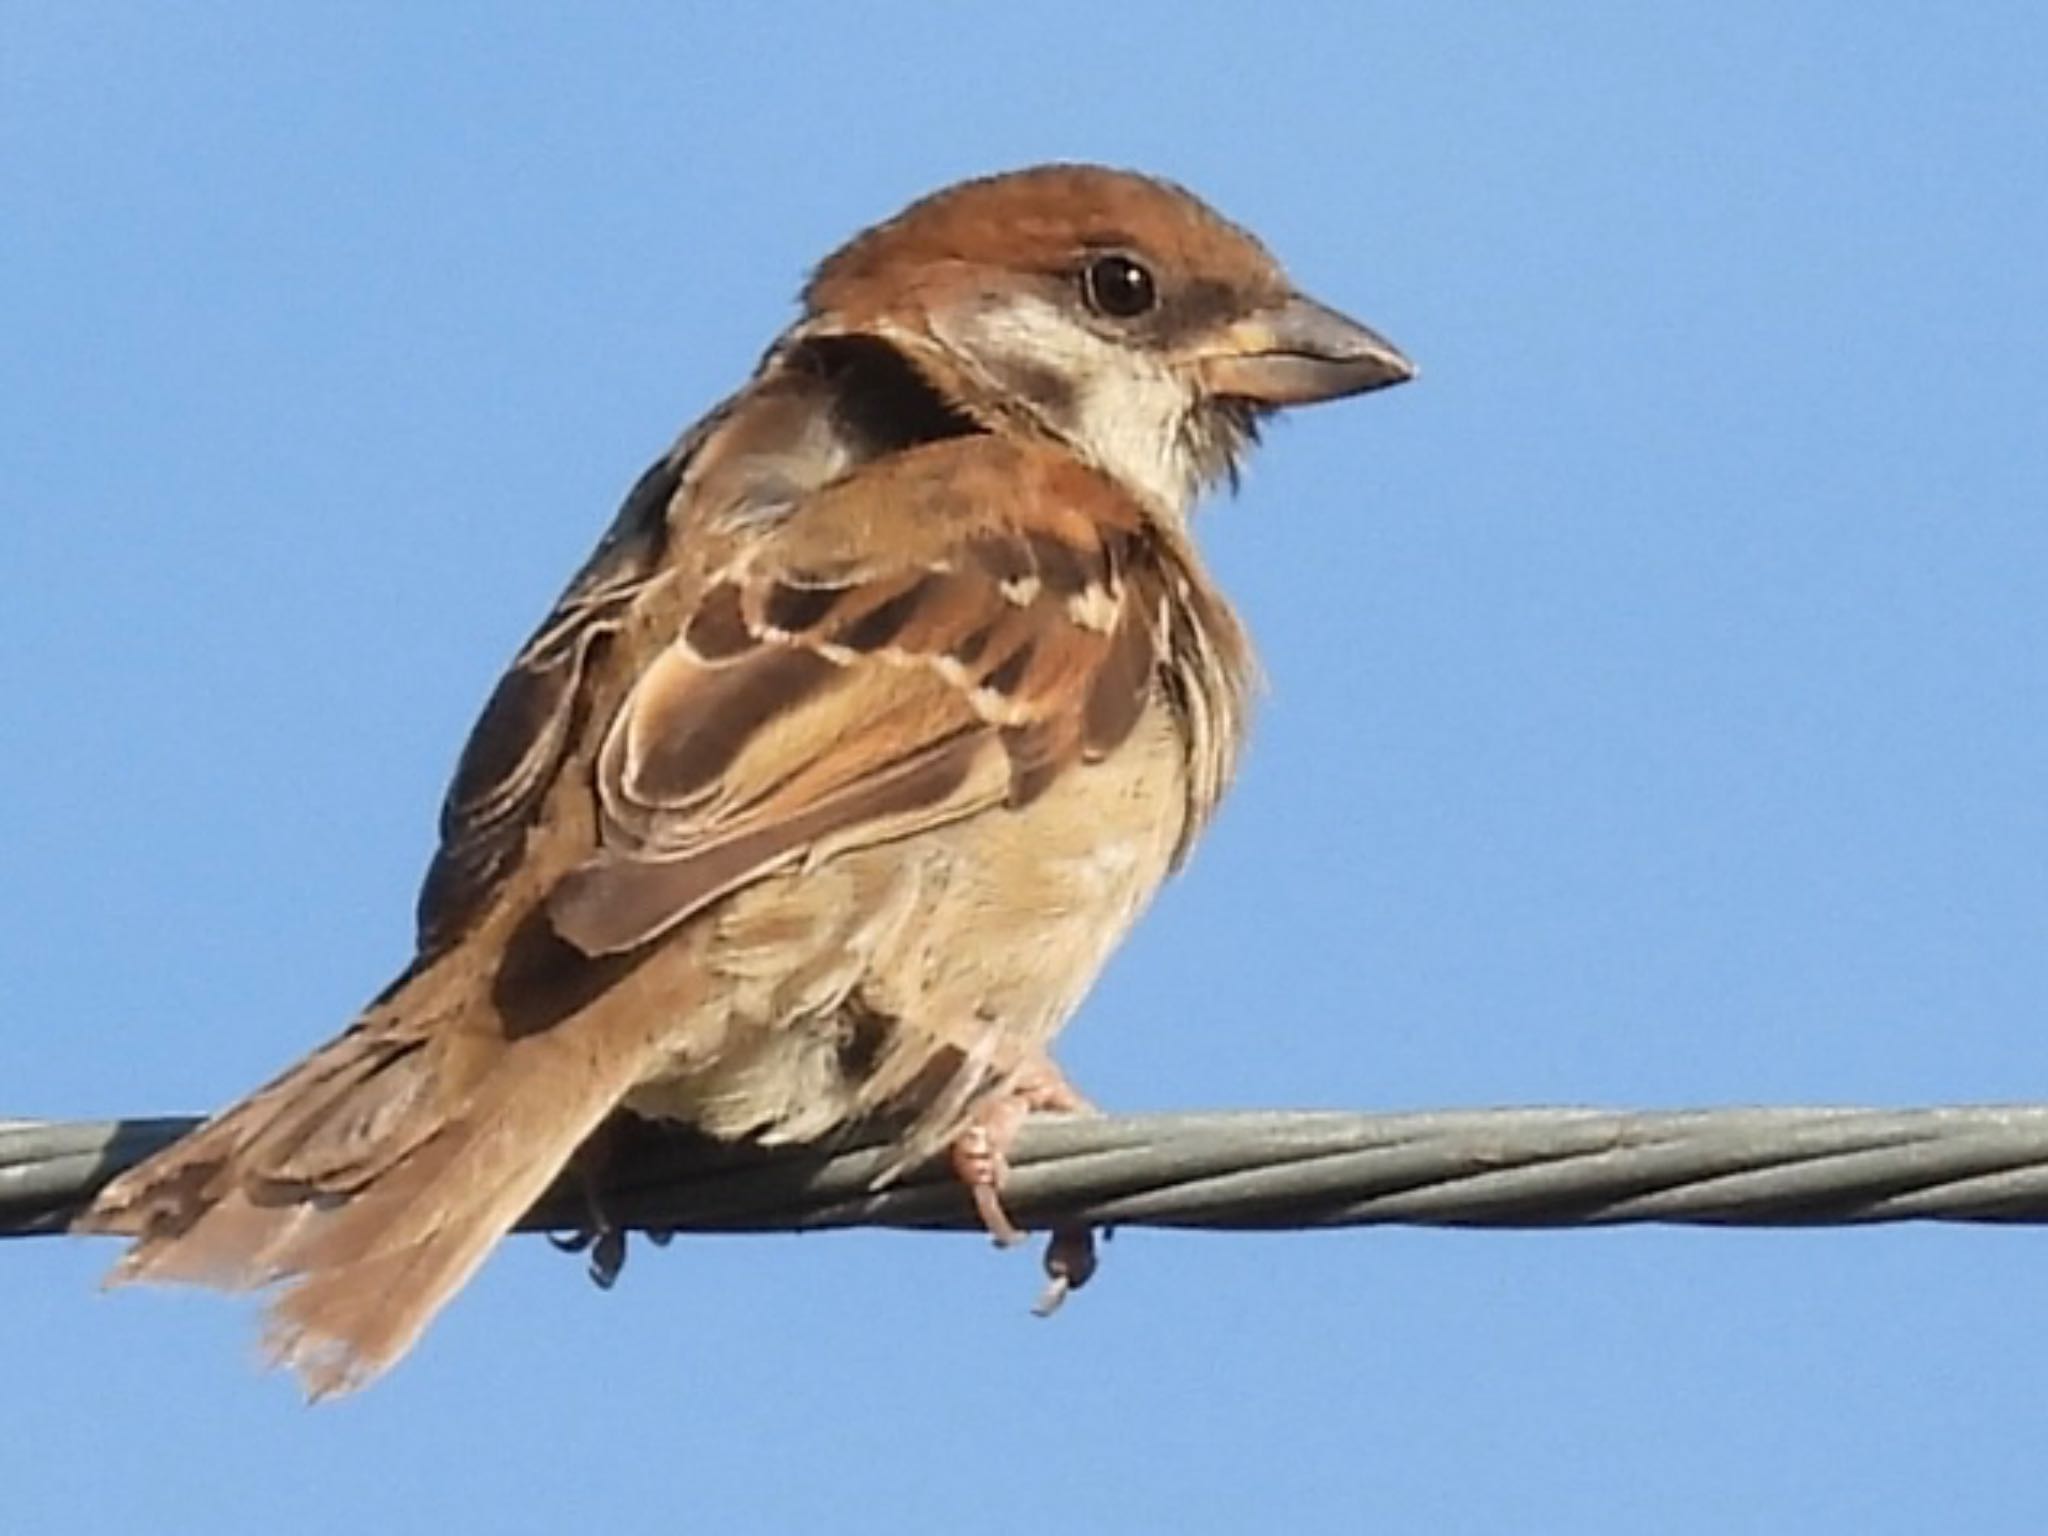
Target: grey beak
{"type": "Point", "coordinates": [1298, 352]}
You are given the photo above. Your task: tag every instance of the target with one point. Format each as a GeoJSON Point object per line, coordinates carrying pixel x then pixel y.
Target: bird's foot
{"type": "Point", "coordinates": [980, 1156]}
{"type": "Point", "coordinates": [1070, 1261]}
{"type": "Point", "coordinates": [981, 1161]}
{"type": "Point", "coordinates": [599, 1236]}
{"type": "Point", "coordinates": [606, 1245]}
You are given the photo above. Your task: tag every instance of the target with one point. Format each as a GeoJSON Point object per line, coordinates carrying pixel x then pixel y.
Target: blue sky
{"type": "Point", "coordinates": [1657, 719]}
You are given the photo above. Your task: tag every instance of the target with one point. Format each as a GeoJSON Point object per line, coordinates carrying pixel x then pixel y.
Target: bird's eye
{"type": "Point", "coordinates": [1118, 287]}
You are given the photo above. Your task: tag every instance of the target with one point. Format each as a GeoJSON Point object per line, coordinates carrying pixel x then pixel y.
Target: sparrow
{"type": "Point", "coordinates": [886, 703]}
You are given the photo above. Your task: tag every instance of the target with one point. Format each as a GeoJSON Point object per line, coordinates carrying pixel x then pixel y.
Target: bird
{"type": "Point", "coordinates": [893, 692]}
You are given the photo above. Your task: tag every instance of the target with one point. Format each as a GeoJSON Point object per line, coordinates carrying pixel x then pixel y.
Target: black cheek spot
{"type": "Point", "coordinates": [880, 399]}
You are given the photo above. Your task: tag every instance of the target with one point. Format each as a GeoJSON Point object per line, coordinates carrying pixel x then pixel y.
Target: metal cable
{"type": "Point", "coordinates": [1256, 1170]}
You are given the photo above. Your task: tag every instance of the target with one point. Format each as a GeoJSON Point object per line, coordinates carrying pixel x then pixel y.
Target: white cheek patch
{"type": "Point", "coordinates": [1130, 425]}
{"type": "Point", "coordinates": [1121, 409]}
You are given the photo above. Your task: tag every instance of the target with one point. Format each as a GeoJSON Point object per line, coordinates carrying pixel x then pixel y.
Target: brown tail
{"type": "Point", "coordinates": [371, 1179]}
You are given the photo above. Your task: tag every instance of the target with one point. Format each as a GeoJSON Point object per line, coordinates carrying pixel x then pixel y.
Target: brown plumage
{"type": "Point", "coordinates": [826, 788]}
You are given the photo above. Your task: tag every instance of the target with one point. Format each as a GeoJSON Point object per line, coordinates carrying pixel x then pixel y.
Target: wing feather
{"type": "Point", "coordinates": [998, 630]}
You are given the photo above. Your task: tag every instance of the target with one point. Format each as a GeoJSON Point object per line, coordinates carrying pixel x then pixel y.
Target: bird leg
{"type": "Point", "coordinates": [605, 1243]}
{"type": "Point", "coordinates": [602, 1238]}
{"type": "Point", "coordinates": [981, 1161]}
{"type": "Point", "coordinates": [980, 1157]}
{"type": "Point", "coordinates": [1069, 1263]}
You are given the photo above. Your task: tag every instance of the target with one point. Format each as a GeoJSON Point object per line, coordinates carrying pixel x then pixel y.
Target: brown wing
{"type": "Point", "coordinates": [523, 736]}
{"type": "Point", "coordinates": [938, 635]}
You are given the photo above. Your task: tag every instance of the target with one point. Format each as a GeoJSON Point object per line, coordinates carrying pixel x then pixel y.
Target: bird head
{"type": "Point", "coordinates": [1117, 313]}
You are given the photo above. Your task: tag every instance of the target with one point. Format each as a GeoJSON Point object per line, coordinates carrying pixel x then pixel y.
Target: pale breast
{"type": "Point", "coordinates": [905, 979]}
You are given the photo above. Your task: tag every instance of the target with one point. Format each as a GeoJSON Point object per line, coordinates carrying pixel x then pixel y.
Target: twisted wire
{"type": "Point", "coordinates": [1258, 1171]}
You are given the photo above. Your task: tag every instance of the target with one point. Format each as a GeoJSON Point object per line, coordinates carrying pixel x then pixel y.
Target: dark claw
{"type": "Point", "coordinates": [606, 1247]}
{"type": "Point", "coordinates": [1069, 1264]}
{"type": "Point", "coordinates": [607, 1258]}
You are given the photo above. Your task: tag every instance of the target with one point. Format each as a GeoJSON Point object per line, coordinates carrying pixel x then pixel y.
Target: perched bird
{"type": "Point", "coordinates": [820, 798]}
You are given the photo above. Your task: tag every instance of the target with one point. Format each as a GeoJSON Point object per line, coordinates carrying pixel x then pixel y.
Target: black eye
{"type": "Point", "coordinates": [1118, 287]}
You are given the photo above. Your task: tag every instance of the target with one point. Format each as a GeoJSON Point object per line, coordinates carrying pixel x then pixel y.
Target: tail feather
{"type": "Point", "coordinates": [375, 1270]}
{"type": "Point", "coordinates": [369, 1182]}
